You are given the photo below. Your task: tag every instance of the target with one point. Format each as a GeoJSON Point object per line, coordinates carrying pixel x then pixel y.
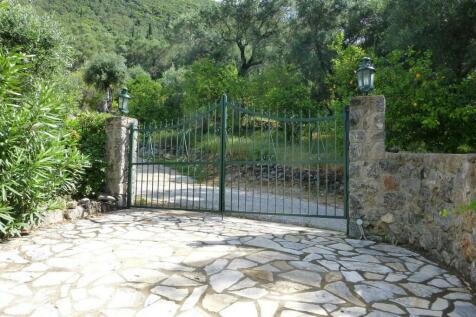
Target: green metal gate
{"type": "Point", "coordinates": [230, 158]}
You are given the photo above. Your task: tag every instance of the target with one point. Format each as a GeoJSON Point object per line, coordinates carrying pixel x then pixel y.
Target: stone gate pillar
{"type": "Point", "coordinates": [366, 149]}
{"type": "Point", "coordinates": [117, 156]}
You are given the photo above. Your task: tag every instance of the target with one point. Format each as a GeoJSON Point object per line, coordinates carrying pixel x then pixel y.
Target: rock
{"type": "Point", "coordinates": [462, 296]}
{"type": "Point", "coordinates": [389, 308]}
{"type": "Point", "coordinates": [303, 277]}
{"type": "Point", "coordinates": [126, 297]}
{"type": "Point", "coordinates": [269, 256]}
{"type": "Point", "coordinates": [216, 266]}
{"type": "Point", "coordinates": [440, 304]}
{"type": "Point", "coordinates": [224, 279]}
{"type": "Point", "coordinates": [292, 313]}
{"type": "Point", "coordinates": [194, 312]}
{"type": "Point", "coordinates": [172, 293]}
{"type": "Point", "coordinates": [179, 281]}
{"type": "Point", "coordinates": [341, 290]}
{"type": "Point", "coordinates": [366, 267]}
{"type": "Point", "coordinates": [252, 293]}
{"type": "Point", "coordinates": [412, 302]}
{"type": "Point", "coordinates": [237, 264]}
{"type": "Point", "coordinates": [267, 308]}
{"type": "Point", "coordinates": [372, 294]}
{"type": "Point", "coordinates": [388, 218]}
{"type": "Point", "coordinates": [318, 297]}
{"type": "Point", "coordinates": [349, 312]}
{"type": "Point", "coordinates": [217, 302]}
{"type": "Point", "coordinates": [308, 308]}
{"type": "Point", "coordinates": [333, 277]}
{"type": "Point", "coordinates": [352, 276]}
{"type": "Point", "coordinates": [85, 202]}
{"type": "Point", "coordinates": [139, 275]}
{"type": "Point", "coordinates": [71, 204]}
{"type": "Point", "coordinates": [424, 312]}
{"type": "Point", "coordinates": [165, 307]}
{"type": "Point", "coordinates": [259, 274]}
{"type": "Point", "coordinates": [240, 309]}
{"type": "Point", "coordinates": [421, 290]}
{"type": "Point", "coordinates": [193, 299]}
{"type": "Point", "coordinates": [463, 309]}
{"type": "Point", "coordinates": [285, 287]}
{"type": "Point", "coordinates": [107, 198]}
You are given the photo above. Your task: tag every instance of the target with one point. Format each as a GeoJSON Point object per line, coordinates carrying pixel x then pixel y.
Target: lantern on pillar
{"type": "Point", "coordinates": [366, 76]}
{"type": "Point", "coordinates": [124, 101]}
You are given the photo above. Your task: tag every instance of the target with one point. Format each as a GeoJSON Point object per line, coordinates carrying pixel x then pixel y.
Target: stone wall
{"type": "Point", "coordinates": [117, 156]}
{"type": "Point", "coordinates": [399, 196]}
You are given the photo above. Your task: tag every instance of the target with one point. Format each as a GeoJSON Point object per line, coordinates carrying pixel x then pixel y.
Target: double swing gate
{"type": "Point", "coordinates": [230, 158]}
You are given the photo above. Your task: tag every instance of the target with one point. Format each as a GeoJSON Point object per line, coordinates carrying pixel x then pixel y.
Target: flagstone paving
{"type": "Point", "coordinates": [156, 263]}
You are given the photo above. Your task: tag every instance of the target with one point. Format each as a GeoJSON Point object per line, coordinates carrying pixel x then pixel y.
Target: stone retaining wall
{"type": "Point", "coordinates": [399, 196]}
{"type": "Point", "coordinates": [74, 211]}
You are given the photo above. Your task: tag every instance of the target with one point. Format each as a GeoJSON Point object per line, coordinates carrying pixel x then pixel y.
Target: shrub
{"type": "Point", "coordinates": [148, 103]}
{"type": "Point", "coordinates": [425, 110]}
{"type": "Point", "coordinates": [207, 81]}
{"type": "Point", "coordinates": [280, 88]}
{"type": "Point", "coordinates": [38, 157]}
{"type": "Point", "coordinates": [89, 131]}
{"type": "Point", "coordinates": [22, 30]}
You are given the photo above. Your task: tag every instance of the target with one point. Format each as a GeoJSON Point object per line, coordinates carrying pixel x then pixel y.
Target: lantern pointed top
{"type": "Point", "coordinates": [366, 63]}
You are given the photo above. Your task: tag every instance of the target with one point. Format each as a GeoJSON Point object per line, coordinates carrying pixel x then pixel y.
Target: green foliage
{"type": "Point", "coordinates": [38, 157]}
{"type": "Point", "coordinates": [23, 31]}
{"type": "Point", "coordinates": [342, 81]}
{"type": "Point", "coordinates": [89, 132]}
{"type": "Point", "coordinates": [149, 100]}
{"type": "Point", "coordinates": [315, 27]}
{"type": "Point", "coordinates": [117, 25]}
{"type": "Point", "coordinates": [425, 112]}
{"type": "Point", "coordinates": [279, 89]}
{"type": "Point", "coordinates": [206, 82]}
{"type": "Point", "coordinates": [198, 50]}
{"type": "Point", "coordinates": [105, 71]}
{"type": "Point", "coordinates": [250, 26]}
{"type": "Point", "coordinates": [446, 28]}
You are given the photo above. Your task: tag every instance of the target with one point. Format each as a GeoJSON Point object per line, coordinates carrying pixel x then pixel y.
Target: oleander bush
{"type": "Point", "coordinates": [39, 158]}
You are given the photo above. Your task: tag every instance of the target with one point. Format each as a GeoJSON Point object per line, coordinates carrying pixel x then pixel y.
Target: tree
{"type": "Point", "coordinates": [447, 28]}
{"type": "Point", "coordinates": [206, 82]}
{"type": "Point", "coordinates": [104, 72]}
{"type": "Point", "coordinates": [250, 25]}
{"type": "Point", "coordinates": [149, 102]}
{"type": "Point", "coordinates": [24, 31]}
{"type": "Point", "coordinates": [315, 26]}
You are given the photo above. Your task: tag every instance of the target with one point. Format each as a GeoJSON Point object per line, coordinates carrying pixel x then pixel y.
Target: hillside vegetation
{"type": "Point", "coordinates": [280, 55]}
{"type": "Point", "coordinates": [114, 25]}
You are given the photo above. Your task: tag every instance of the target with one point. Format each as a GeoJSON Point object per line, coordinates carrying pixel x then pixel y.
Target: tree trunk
{"type": "Point", "coordinates": [107, 105]}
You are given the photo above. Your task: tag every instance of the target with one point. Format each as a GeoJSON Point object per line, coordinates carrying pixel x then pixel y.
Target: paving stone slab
{"type": "Point", "coordinates": [164, 263]}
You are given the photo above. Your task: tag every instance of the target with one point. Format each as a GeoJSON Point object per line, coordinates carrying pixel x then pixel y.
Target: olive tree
{"type": "Point", "coordinates": [249, 25]}
{"type": "Point", "coordinates": [106, 71]}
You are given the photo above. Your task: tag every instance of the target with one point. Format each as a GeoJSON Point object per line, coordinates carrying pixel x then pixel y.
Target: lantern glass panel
{"type": "Point", "coordinates": [367, 79]}
{"type": "Point", "coordinates": [360, 80]}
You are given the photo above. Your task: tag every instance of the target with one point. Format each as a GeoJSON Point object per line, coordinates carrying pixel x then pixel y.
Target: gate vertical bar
{"type": "Point", "coordinates": [346, 165]}
{"type": "Point", "coordinates": [130, 166]}
{"type": "Point", "coordinates": [224, 101]}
